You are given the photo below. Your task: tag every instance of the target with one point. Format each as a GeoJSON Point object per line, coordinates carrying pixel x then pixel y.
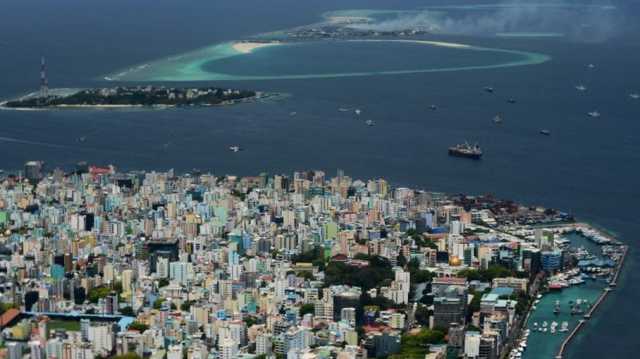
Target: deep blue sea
{"type": "Point", "coordinates": [588, 166]}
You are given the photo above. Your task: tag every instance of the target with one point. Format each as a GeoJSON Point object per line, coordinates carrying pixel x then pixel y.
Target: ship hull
{"type": "Point", "coordinates": [473, 156]}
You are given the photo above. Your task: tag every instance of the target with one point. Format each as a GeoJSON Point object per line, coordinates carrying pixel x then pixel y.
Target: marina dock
{"type": "Point", "coordinates": [601, 298]}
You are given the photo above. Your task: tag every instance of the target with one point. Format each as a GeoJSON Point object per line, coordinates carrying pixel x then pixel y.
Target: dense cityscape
{"type": "Point", "coordinates": [100, 263]}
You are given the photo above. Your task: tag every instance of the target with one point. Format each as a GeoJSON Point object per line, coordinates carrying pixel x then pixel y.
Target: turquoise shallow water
{"type": "Point", "coordinates": [544, 345]}
{"type": "Point", "coordinates": [221, 62]}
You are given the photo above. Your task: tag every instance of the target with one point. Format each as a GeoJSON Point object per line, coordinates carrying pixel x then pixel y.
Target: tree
{"type": "Point", "coordinates": [307, 308]}
{"type": "Point", "coordinates": [128, 311]}
{"type": "Point", "coordinates": [97, 293]}
{"type": "Point", "coordinates": [486, 275]}
{"type": "Point", "coordinates": [141, 327]}
{"type": "Point", "coordinates": [186, 305]}
{"type": "Point", "coordinates": [127, 356]}
{"type": "Point", "coordinates": [158, 303]}
{"type": "Point", "coordinates": [163, 282]}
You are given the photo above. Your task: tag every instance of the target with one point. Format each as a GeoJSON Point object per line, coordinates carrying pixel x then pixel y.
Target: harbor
{"type": "Point", "coordinates": [559, 314]}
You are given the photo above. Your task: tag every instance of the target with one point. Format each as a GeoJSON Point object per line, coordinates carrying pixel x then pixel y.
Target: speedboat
{"type": "Point", "coordinates": [594, 114]}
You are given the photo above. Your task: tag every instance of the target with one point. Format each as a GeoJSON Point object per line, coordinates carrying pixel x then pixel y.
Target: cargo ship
{"type": "Point", "coordinates": [466, 150]}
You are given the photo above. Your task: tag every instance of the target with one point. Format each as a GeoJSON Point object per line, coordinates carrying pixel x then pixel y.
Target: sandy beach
{"type": "Point", "coordinates": [248, 47]}
{"type": "Point", "coordinates": [423, 42]}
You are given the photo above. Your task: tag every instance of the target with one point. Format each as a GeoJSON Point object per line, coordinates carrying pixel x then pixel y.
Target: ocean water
{"type": "Point", "coordinates": [588, 166]}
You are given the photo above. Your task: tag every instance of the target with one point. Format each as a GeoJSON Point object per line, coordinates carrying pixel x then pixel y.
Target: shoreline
{"type": "Point", "coordinates": [258, 96]}
{"type": "Point", "coordinates": [603, 296]}
{"type": "Point", "coordinates": [247, 47]}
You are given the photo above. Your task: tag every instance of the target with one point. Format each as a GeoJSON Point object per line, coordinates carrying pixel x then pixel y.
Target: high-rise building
{"type": "Point", "coordinates": [34, 171]}
{"type": "Point", "coordinates": [263, 344]}
{"type": "Point", "coordinates": [85, 324]}
{"type": "Point", "coordinates": [228, 348]}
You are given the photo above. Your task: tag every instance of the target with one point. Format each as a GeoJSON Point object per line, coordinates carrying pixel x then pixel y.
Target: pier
{"type": "Point", "coordinates": [595, 306]}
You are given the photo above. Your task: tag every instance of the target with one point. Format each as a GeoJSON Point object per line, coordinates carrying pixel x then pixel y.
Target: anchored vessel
{"type": "Point", "coordinates": [466, 150]}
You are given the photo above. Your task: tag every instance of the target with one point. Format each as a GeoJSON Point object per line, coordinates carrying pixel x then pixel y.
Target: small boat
{"type": "Point", "coordinates": [511, 100]}
{"type": "Point", "coordinates": [433, 107]}
{"type": "Point", "coordinates": [369, 122]}
{"type": "Point", "coordinates": [545, 132]}
{"type": "Point", "coordinates": [497, 119]}
{"type": "Point", "coordinates": [357, 111]}
{"type": "Point", "coordinates": [591, 66]}
{"type": "Point", "coordinates": [82, 138]}
{"type": "Point", "coordinates": [235, 148]}
{"type": "Point", "coordinates": [594, 114]}
{"type": "Point", "coordinates": [489, 89]}
{"type": "Point", "coordinates": [293, 113]}
{"type": "Point", "coordinates": [581, 88]}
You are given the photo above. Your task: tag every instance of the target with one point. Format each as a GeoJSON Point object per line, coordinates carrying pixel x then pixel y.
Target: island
{"type": "Point", "coordinates": [138, 96]}
{"type": "Point", "coordinates": [399, 272]}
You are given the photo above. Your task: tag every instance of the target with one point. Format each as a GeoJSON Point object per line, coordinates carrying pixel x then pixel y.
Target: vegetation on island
{"type": "Point", "coordinates": [417, 345]}
{"type": "Point", "coordinates": [136, 96]}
